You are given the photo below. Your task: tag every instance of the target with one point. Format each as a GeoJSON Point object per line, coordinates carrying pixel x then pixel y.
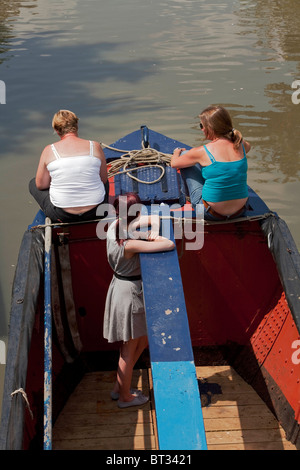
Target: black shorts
{"type": "Point", "coordinates": [56, 214]}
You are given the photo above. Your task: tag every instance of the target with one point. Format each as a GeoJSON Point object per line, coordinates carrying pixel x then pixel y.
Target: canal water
{"type": "Point", "coordinates": [122, 63]}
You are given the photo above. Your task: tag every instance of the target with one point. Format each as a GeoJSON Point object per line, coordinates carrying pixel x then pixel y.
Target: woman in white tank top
{"type": "Point", "coordinates": [71, 179]}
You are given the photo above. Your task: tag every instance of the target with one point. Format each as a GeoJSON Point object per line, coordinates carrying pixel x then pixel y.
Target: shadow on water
{"type": "Point", "coordinates": [9, 10]}
{"type": "Point", "coordinates": [47, 70]}
{"type": "Point", "coordinates": [73, 84]}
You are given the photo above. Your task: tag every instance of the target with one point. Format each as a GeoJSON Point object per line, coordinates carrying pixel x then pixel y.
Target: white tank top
{"type": "Point", "coordinates": [75, 181]}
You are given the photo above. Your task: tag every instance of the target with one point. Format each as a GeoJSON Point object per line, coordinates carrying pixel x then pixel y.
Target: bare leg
{"type": "Point", "coordinates": [142, 344]}
{"type": "Point", "coordinates": [129, 354]}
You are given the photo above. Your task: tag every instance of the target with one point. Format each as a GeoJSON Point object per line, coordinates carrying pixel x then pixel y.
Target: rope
{"type": "Point", "coordinates": [21, 390]}
{"type": "Point", "coordinates": [169, 217]}
{"type": "Point", "coordinates": [142, 158]}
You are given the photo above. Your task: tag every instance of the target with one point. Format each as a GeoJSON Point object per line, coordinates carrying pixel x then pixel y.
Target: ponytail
{"type": "Point", "coordinates": [235, 136]}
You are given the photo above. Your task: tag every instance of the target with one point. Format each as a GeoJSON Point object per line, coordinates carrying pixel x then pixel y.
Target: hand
{"type": "Point", "coordinates": [177, 151]}
{"type": "Point", "coordinates": [149, 235]}
{"type": "Point", "coordinates": [152, 235]}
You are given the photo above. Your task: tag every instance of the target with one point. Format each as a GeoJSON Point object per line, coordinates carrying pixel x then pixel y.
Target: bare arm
{"type": "Point", "coordinates": [42, 178]}
{"type": "Point", "coordinates": [152, 246]}
{"type": "Point", "coordinates": [247, 146]}
{"type": "Point", "coordinates": [190, 158]}
{"type": "Point", "coordinates": [98, 152]}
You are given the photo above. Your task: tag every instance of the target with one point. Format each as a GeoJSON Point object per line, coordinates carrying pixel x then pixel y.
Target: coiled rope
{"type": "Point", "coordinates": [142, 158]}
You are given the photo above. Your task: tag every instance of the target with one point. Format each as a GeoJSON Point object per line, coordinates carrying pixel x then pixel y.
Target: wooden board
{"type": "Point", "coordinates": [172, 361]}
{"type": "Point", "coordinates": [91, 420]}
{"type": "Point", "coordinates": [235, 417]}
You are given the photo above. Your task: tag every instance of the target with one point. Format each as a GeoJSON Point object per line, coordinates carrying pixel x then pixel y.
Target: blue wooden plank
{"type": "Point", "coordinates": [176, 393]}
{"type": "Point", "coordinates": [168, 329]}
{"type": "Point", "coordinates": [150, 192]}
{"type": "Point", "coordinates": [167, 322]}
{"type": "Point", "coordinates": [177, 406]}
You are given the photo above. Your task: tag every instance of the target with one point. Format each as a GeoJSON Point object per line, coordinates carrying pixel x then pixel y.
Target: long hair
{"type": "Point", "coordinates": [217, 122]}
{"type": "Point", "coordinates": [122, 206]}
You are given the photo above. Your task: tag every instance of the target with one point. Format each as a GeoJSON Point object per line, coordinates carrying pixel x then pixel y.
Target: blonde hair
{"type": "Point", "coordinates": [65, 121]}
{"type": "Point", "coordinates": [217, 122]}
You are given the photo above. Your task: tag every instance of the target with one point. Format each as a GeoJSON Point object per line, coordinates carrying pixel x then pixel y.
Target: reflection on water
{"type": "Point", "coordinates": [9, 12]}
{"type": "Point", "coordinates": [157, 62]}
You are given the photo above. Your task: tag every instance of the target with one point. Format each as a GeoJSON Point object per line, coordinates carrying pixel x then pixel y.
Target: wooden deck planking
{"type": "Point", "coordinates": [235, 417]}
{"type": "Point", "coordinates": [91, 420]}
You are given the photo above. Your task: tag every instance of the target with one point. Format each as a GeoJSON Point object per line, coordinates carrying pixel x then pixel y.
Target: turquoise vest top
{"type": "Point", "coordinates": [225, 181]}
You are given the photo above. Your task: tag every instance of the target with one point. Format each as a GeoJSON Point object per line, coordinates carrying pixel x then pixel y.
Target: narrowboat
{"type": "Point", "coordinates": [223, 316]}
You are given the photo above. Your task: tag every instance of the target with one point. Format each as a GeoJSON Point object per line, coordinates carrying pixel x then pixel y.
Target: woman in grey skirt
{"type": "Point", "coordinates": [124, 317]}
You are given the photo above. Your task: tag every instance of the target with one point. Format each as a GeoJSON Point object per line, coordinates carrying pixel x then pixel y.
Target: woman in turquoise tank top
{"type": "Point", "coordinates": [216, 174]}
